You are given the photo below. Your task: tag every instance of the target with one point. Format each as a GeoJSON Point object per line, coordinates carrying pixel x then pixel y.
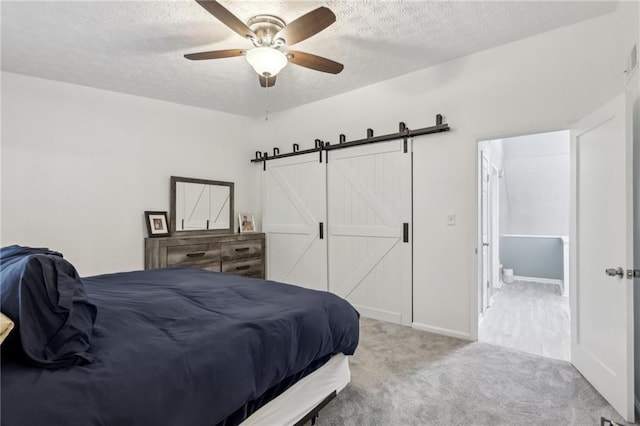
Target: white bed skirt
{"type": "Point", "coordinates": [293, 404]}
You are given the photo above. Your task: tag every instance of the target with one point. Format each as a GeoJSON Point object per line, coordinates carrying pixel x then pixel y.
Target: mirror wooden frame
{"type": "Point", "coordinates": [172, 216]}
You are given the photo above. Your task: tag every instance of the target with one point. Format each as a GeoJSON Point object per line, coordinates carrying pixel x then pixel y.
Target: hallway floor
{"type": "Point", "coordinates": [529, 317]}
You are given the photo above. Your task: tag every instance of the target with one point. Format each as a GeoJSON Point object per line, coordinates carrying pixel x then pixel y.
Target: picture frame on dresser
{"type": "Point", "coordinates": [157, 224]}
{"type": "Point", "coordinates": [246, 223]}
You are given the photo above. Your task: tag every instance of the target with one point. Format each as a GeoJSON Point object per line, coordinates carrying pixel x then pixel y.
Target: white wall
{"type": "Point", "coordinates": [543, 83]}
{"type": "Point", "coordinates": [536, 184]}
{"type": "Point", "coordinates": [81, 165]}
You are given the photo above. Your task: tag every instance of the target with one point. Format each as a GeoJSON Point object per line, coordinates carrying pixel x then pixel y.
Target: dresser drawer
{"type": "Point", "coordinates": [247, 267]}
{"type": "Point", "coordinates": [241, 250]}
{"type": "Point", "coordinates": [202, 255]}
{"type": "Point", "coordinates": [231, 253]}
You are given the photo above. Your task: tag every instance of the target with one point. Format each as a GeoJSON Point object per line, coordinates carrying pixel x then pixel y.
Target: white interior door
{"type": "Point", "coordinates": [369, 201]}
{"type": "Point", "coordinates": [294, 207]}
{"type": "Point", "coordinates": [484, 229]}
{"type": "Point", "coordinates": [494, 236]}
{"type": "Point", "coordinates": [602, 222]}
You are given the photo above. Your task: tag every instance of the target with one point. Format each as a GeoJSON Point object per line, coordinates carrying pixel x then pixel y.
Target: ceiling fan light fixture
{"type": "Point", "coordinates": [266, 61]}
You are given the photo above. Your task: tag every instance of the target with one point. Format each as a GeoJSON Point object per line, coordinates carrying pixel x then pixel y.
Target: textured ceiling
{"type": "Point", "coordinates": [136, 47]}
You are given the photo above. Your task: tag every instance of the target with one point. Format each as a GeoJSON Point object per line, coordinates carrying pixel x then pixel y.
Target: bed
{"type": "Point", "coordinates": [174, 346]}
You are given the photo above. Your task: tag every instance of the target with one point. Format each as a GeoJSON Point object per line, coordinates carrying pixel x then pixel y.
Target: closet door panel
{"type": "Point", "coordinates": [294, 206]}
{"type": "Point", "coordinates": [369, 200]}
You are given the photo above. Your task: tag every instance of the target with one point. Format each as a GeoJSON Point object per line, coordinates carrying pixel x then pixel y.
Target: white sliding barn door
{"type": "Point", "coordinates": [602, 233]}
{"type": "Point", "coordinates": [294, 206]}
{"type": "Point", "coordinates": [369, 199]}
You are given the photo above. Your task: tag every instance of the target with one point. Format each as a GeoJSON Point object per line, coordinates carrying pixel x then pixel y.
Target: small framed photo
{"type": "Point", "coordinates": [247, 222]}
{"type": "Point", "coordinates": [157, 224]}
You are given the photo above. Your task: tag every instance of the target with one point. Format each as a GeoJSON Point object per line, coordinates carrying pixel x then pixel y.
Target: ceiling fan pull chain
{"type": "Point", "coordinates": [266, 116]}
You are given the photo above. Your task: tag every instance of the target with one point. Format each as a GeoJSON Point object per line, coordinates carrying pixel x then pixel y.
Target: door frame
{"type": "Point", "coordinates": [474, 290]}
{"type": "Point", "coordinates": [483, 219]}
{"type": "Point", "coordinates": [494, 227]}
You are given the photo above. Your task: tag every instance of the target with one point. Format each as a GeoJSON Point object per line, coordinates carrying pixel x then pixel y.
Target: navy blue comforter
{"type": "Point", "coordinates": [181, 346]}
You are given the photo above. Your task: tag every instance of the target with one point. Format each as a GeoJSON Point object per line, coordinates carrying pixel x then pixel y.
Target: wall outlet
{"type": "Point", "coordinates": [451, 220]}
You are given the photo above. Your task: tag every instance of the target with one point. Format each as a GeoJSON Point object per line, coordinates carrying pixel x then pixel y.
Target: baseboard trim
{"type": "Point", "coordinates": [379, 314]}
{"type": "Point", "coordinates": [440, 330]}
{"type": "Point", "coordinates": [538, 280]}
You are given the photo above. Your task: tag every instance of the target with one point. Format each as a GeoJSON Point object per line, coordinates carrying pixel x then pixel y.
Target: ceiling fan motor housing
{"type": "Point", "coordinates": [266, 27]}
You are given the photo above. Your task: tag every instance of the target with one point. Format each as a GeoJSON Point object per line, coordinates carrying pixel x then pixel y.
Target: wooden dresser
{"type": "Point", "coordinates": [240, 254]}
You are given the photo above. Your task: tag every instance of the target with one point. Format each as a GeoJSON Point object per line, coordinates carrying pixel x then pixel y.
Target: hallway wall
{"type": "Point", "coordinates": [536, 184]}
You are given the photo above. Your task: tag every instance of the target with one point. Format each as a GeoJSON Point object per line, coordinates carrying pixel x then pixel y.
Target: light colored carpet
{"type": "Point", "coordinates": [530, 317]}
{"type": "Point", "coordinates": [401, 376]}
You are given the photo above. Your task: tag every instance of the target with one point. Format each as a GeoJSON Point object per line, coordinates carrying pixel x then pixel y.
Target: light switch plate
{"type": "Point", "coordinates": [451, 220]}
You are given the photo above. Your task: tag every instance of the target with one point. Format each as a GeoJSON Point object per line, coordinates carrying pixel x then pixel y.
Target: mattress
{"type": "Point", "coordinates": [182, 346]}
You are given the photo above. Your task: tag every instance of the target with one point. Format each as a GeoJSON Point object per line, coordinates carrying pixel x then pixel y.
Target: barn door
{"type": "Point", "coordinates": [294, 218]}
{"type": "Point", "coordinates": [369, 205]}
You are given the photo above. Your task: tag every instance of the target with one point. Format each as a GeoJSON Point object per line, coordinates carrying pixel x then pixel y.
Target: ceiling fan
{"type": "Point", "coordinates": [271, 38]}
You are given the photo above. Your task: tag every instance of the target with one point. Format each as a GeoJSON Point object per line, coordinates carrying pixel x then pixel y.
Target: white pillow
{"type": "Point", "coordinates": [6, 325]}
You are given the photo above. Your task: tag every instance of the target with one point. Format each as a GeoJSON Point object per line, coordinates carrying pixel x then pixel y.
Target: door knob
{"type": "Point", "coordinates": [613, 272]}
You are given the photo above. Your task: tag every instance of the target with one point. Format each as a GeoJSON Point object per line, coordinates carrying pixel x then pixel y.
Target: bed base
{"type": "Point", "coordinates": [301, 402]}
{"type": "Point", "coordinates": [313, 414]}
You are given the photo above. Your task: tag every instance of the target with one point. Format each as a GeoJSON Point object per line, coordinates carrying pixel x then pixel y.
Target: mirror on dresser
{"type": "Point", "coordinates": [200, 205]}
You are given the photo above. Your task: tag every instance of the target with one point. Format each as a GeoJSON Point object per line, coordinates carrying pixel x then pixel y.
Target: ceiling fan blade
{"type": "Point", "coordinates": [227, 18]}
{"type": "Point", "coordinates": [267, 82]}
{"type": "Point", "coordinates": [215, 54]}
{"type": "Point", "coordinates": [314, 62]}
{"type": "Point", "coordinates": [306, 26]}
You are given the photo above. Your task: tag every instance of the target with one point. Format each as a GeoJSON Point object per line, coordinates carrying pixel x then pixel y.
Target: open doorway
{"type": "Point", "coordinates": [523, 206]}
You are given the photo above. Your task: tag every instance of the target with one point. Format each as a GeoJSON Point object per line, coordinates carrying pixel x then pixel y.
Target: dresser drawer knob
{"type": "Point", "coordinates": [241, 249]}
{"type": "Point", "coordinates": [243, 267]}
{"type": "Point", "coordinates": [198, 254]}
